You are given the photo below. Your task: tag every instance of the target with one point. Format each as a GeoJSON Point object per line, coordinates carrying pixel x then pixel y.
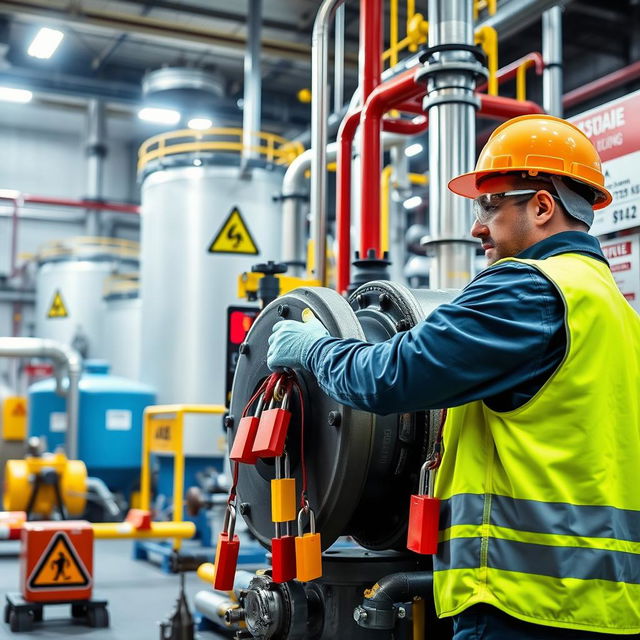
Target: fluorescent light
{"type": "Point", "coordinates": [45, 43]}
{"type": "Point", "coordinates": [200, 123]}
{"type": "Point", "coordinates": [159, 116]}
{"type": "Point", "coordinates": [413, 150]}
{"type": "Point", "coordinates": [412, 203]}
{"type": "Point", "coordinates": [15, 95]}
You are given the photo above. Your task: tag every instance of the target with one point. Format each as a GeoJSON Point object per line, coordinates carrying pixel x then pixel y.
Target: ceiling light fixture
{"type": "Point", "coordinates": [200, 124]}
{"type": "Point", "coordinates": [159, 116]}
{"type": "Point", "coordinates": [45, 43]}
{"type": "Point", "coordinates": [412, 203]}
{"type": "Point", "coordinates": [413, 150]}
{"type": "Point", "coordinates": [9, 94]}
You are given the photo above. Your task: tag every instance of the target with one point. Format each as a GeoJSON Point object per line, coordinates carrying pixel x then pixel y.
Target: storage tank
{"type": "Point", "coordinates": [122, 325]}
{"type": "Point", "coordinates": [109, 425]}
{"type": "Point", "coordinates": [69, 289]}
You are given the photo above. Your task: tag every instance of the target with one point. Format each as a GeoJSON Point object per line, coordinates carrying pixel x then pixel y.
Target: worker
{"type": "Point", "coordinates": [537, 362]}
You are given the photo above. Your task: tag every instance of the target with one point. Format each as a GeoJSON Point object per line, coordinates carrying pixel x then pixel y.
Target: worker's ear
{"type": "Point", "coordinates": [545, 207]}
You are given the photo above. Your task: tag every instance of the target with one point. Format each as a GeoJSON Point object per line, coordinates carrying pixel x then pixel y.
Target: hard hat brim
{"type": "Point", "coordinates": [466, 185]}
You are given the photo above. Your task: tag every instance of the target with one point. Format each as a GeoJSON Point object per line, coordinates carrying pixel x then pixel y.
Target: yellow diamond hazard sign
{"type": "Point", "coordinates": [59, 567]}
{"type": "Point", "coordinates": [57, 308]}
{"type": "Point", "coordinates": [234, 236]}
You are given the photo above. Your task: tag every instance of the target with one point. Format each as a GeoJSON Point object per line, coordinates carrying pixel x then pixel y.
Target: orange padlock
{"type": "Point", "coordinates": [424, 515]}
{"type": "Point", "coordinates": [224, 571]}
{"type": "Point", "coordinates": [308, 549]}
{"type": "Point", "coordinates": [242, 448]}
{"type": "Point", "coordinates": [272, 429]}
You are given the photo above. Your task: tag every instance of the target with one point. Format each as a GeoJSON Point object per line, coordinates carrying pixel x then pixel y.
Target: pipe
{"type": "Point", "coordinates": [64, 357]}
{"type": "Point", "coordinates": [118, 207]}
{"type": "Point", "coordinates": [370, 62]}
{"type": "Point", "coordinates": [96, 154]}
{"type": "Point", "coordinates": [601, 85]}
{"type": "Point", "coordinates": [510, 71]}
{"type": "Point", "coordinates": [552, 54]}
{"type": "Point", "coordinates": [105, 496]}
{"type": "Point", "coordinates": [338, 60]}
{"type": "Point", "coordinates": [112, 530]}
{"type": "Point", "coordinates": [319, 110]}
{"type": "Point", "coordinates": [251, 110]}
{"type": "Point", "coordinates": [504, 108]}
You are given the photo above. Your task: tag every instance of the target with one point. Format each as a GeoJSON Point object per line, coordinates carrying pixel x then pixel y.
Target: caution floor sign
{"type": "Point", "coordinates": [234, 236]}
{"type": "Point", "coordinates": [58, 308]}
{"type": "Point", "coordinates": [60, 567]}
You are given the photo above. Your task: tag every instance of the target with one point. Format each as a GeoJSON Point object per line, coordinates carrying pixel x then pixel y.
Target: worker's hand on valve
{"type": "Point", "coordinates": [290, 341]}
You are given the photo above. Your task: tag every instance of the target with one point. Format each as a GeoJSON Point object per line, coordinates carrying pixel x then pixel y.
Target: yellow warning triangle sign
{"type": "Point", "coordinates": [57, 308]}
{"type": "Point", "coordinates": [59, 566]}
{"type": "Point", "coordinates": [234, 236]}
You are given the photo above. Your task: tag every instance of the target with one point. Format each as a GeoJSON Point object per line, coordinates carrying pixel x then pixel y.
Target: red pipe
{"type": "Point", "coordinates": [78, 204]}
{"type": "Point", "coordinates": [370, 63]}
{"type": "Point", "coordinates": [597, 87]}
{"type": "Point", "coordinates": [505, 108]}
{"type": "Point", "coordinates": [383, 98]}
{"type": "Point", "coordinates": [406, 127]}
{"type": "Point", "coordinates": [510, 71]}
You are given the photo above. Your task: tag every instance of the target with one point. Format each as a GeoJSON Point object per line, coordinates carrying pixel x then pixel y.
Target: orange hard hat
{"type": "Point", "coordinates": [537, 144]}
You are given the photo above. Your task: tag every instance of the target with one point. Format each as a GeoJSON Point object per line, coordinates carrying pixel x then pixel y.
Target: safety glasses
{"type": "Point", "coordinates": [487, 205]}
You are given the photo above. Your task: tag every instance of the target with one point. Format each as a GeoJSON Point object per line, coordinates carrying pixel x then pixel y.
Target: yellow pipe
{"type": "Point", "coordinates": [411, 9]}
{"type": "Point", "coordinates": [487, 37]}
{"type": "Point", "coordinates": [385, 188]}
{"type": "Point", "coordinates": [418, 619]}
{"type": "Point", "coordinates": [418, 178]}
{"type": "Point", "coordinates": [112, 530]}
{"type": "Point", "coordinates": [521, 79]}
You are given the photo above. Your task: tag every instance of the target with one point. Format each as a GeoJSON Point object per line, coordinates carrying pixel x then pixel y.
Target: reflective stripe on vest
{"type": "Point", "coordinates": [541, 505]}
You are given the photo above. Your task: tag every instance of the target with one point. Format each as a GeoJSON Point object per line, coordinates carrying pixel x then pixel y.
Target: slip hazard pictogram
{"type": "Point", "coordinates": [234, 236]}
{"type": "Point", "coordinates": [60, 567]}
{"type": "Point", "coordinates": [58, 308]}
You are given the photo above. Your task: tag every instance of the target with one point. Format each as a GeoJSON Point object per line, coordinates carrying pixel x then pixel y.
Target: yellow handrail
{"type": "Point", "coordinates": [479, 5]}
{"type": "Point", "coordinates": [521, 79]}
{"type": "Point", "coordinates": [487, 38]}
{"type": "Point", "coordinates": [417, 30]}
{"type": "Point", "coordinates": [272, 147]}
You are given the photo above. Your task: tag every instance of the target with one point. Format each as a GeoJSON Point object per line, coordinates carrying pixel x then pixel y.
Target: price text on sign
{"type": "Point", "coordinates": [164, 435]}
{"type": "Point", "coordinates": [623, 256]}
{"type": "Point", "coordinates": [614, 129]}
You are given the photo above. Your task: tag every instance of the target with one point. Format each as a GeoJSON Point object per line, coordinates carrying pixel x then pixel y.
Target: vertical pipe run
{"type": "Point", "coordinates": [338, 61]}
{"type": "Point", "coordinates": [552, 56]}
{"type": "Point", "coordinates": [251, 111]}
{"type": "Point", "coordinates": [96, 154]}
{"type": "Point", "coordinates": [452, 132]}
{"type": "Point", "coordinates": [319, 115]}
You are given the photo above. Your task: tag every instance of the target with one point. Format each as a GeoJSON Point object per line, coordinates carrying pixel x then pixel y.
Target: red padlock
{"type": "Point", "coordinates": [224, 571]}
{"type": "Point", "coordinates": [242, 448]}
{"type": "Point", "coordinates": [424, 516]}
{"type": "Point", "coordinates": [283, 557]}
{"type": "Point", "coordinates": [272, 430]}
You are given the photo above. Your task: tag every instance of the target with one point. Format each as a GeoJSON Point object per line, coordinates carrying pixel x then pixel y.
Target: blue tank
{"type": "Point", "coordinates": [110, 422]}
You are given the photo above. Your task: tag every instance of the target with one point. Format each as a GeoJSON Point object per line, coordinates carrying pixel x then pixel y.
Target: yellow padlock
{"type": "Point", "coordinates": [308, 549]}
{"type": "Point", "coordinates": [283, 493]}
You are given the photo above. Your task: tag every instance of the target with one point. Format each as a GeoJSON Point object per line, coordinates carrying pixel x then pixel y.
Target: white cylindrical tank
{"type": "Point", "coordinates": [69, 289]}
{"type": "Point", "coordinates": [188, 279]}
{"type": "Point", "coordinates": [122, 324]}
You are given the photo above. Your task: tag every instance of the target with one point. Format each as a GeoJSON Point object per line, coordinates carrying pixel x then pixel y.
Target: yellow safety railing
{"type": "Point", "coordinates": [487, 38]}
{"type": "Point", "coordinates": [480, 5]}
{"type": "Point", "coordinates": [271, 147]}
{"type": "Point", "coordinates": [86, 246]}
{"type": "Point", "coordinates": [163, 432]}
{"type": "Point", "coordinates": [385, 199]}
{"type": "Point", "coordinates": [521, 79]}
{"type": "Point", "coordinates": [417, 30]}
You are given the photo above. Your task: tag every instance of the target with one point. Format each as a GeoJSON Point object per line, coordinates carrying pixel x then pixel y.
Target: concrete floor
{"type": "Point", "coordinates": [140, 595]}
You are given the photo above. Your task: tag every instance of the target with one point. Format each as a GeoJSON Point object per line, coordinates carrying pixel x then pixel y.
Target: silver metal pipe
{"type": "Point", "coordinates": [251, 110]}
{"type": "Point", "coordinates": [515, 15]}
{"type": "Point", "coordinates": [96, 154]}
{"type": "Point", "coordinates": [338, 60]}
{"type": "Point", "coordinates": [319, 116]}
{"type": "Point", "coordinates": [64, 357]}
{"type": "Point", "coordinates": [452, 132]}
{"type": "Point", "coordinates": [105, 496]}
{"type": "Point", "coordinates": [397, 214]}
{"type": "Point", "coordinates": [552, 56]}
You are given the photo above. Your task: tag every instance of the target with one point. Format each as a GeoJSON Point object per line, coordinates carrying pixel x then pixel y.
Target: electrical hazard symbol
{"type": "Point", "coordinates": [59, 567]}
{"type": "Point", "coordinates": [234, 236]}
{"type": "Point", "coordinates": [19, 410]}
{"type": "Point", "coordinates": [57, 308]}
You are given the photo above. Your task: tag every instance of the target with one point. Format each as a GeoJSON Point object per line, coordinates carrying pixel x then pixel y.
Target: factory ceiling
{"type": "Point", "coordinates": [110, 45]}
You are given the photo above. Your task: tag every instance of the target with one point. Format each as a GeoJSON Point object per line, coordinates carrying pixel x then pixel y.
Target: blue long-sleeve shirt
{"type": "Point", "coordinates": [499, 340]}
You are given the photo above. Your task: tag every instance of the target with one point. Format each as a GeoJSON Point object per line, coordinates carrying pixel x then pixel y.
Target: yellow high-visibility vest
{"type": "Point", "coordinates": [541, 505]}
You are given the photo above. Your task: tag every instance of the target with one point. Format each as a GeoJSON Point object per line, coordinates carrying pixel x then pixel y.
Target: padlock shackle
{"type": "Point", "coordinates": [312, 520]}
{"type": "Point", "coordinates": [279, 464]}
{"type": "Point", "coordinates": [258, 410]}
{"type": "Point", "coordinates": [229, 525]}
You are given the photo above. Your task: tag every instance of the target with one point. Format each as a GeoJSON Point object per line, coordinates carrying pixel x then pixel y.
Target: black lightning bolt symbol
{"type": "Point", "coordinates": [236, 237]}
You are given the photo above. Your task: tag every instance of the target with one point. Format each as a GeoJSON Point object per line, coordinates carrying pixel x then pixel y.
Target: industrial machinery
{"type": "Point", "coordinates": [361, 470]}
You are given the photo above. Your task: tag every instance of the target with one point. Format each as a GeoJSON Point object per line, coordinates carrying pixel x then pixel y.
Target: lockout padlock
{"type": "Point", "coordinates": [283, 492]}
{"type": "Point", "coordinates": [224, 570]}
{"type": "Point", "coordinates": [272, 429]}
{"type": "Point", "coordinates": [242, 448]}
{"type": "Point", "coordinates": [308, 549]}
{"type": "Point", "coordinates": [424, 516]}
{"type": "Point", "coordinates": [283, 555]}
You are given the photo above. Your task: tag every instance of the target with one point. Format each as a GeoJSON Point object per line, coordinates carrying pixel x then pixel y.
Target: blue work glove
{"type": "Point", "coordinates": [290, 341]}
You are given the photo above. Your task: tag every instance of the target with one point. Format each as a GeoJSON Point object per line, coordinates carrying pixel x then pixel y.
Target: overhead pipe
{"type": "Point", "coordinates": [64, 357]}
{"type": "Point", "coordinates": [510, 71]}
{"type": "Point", "coordinates": [338, 60]}
{"type": "Point", "coordinates": [552, 54]}
{"type": "Point", "coordinates": [251, 109]}
{"type": "Point", "coordinates": [96, 154]}
{"type": "Point", "coordinates": [118, 207]}
{"type": "Point", "coordinates": [319, 117]}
